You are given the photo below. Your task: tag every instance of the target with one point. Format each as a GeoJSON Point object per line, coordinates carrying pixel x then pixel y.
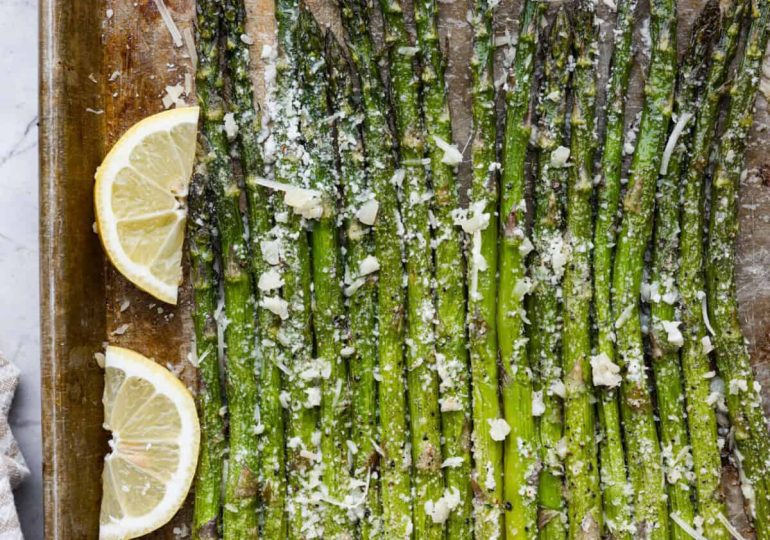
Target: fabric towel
{"type": "Point", "coordinates": [13, 469]}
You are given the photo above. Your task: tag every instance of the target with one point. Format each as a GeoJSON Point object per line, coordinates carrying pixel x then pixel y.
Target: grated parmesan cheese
{"type": "Point", "coordinates": [452, 462]}
{"type": "Point", "coordinates": [271, 251]}
{"type": "Point", "coordinates": [270, 281]}
{"type": "Point", "coordinates": [705, 312]}
{"type": "Point", "coordinates": [452, 155]}
{"type": "Point", "coordinates": [368, 265]}
{"type": "Point", "coordinates": [231, 126]}
{"type": "Point", "coordinates": [526, 247]}
{"type": "Point", "coordinates": [498, 429]}
{"type": "Point", "coordinates": [676, 518]}
{"type": "Point", "coordinates": [189, 43]}
{"type": "Point", "coordinates": [305, 202]}
{"type": "Point", "coordinates": [729, 526]}
{"type": "Point", "coordinates": [173, 96]}
{"type": "Point", "coordinates": [538, 405]}
{"type": "Point", "coordinates": [99, 357]}
{"type": "Point", "coordinates": [624, 316]}
{"type": "Point", "coordinates": [165, 14]}
{"type": "Point", "coordinates": [313, 397]}
{"type": "Point", "coordinates": [557, 388]}
{"type": "Point", "coordinates": [672, 140]}
{"type": "Point", "coordinates": [738, 385]}
{"type": "Point", "coordinates": [559, 157]}
{"type": "Point", "coordinates": [367, 213]}
{"type": "Point", "coordinates": [276, 305]}
{"type": "Point", "coordinates": [674, 335]}
{"type": "Point", "coordinates": [439, 510]}
{"type": "Point", "coordinates": [522, 287]}
{"type": "Point", "coordinates": [450, 404]}
{"type": "Point", "coordinates": [604, 371]}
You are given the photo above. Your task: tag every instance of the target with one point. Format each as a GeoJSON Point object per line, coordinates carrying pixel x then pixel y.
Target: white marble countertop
{"type": "Point", "coordinates": [19, 318]}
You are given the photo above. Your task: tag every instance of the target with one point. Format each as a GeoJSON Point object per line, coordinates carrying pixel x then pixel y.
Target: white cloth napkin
{"type": "Point", "coordinates": [13, 468]}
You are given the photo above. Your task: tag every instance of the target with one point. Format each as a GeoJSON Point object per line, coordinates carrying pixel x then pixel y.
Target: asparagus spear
{"type": "Point", "coordinates": [642, 445]}
{"type": "Point", "coordinates": [616, 502]}
{"type": "Point", "coordinates": [582, 472]}
{"type": "Point", "coordinates": [270, 427]}
{"type": "Point", "coordinates": [289, 235]}
{"type": "Point", "coordinates": [208, 495]}
{"type": "Point", "coordinates": [482, 285]}
{"type": "Point", "coordinates": [378, 145]}
{"type": "Point", "coordinates": [208, 480]}
{"type": "Point", "coordinates": [665, 335]}
{"type": "Point", "coordinates": [451, 342]}
{"type": "Point", "coordinates": [361, 292]}
{"type": "Point", "coordinates": [328, 305]}
{"type": "Point", "coordinates": [422, 379]}
{"type": "Point", "coordinates": [520, 462]}
{"type": "Point", "coordinates": [744, 401]}
{"type": "Point", "coordinates": [547, 271]}
{"type": "Point", "coordinates": [240, 485]}
{"type": "Point", "coordinates": [695, 359]}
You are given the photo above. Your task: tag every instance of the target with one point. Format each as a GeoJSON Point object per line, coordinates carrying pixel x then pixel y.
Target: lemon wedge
{"type": "Point", "coordinates": [154, 445]}
{"type": "Point", "coordinates": [139, 197]}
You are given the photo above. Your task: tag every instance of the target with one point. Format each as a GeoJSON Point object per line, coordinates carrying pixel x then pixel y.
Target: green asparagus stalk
{"type": "Point", "coordinates": [642, 445]}
{"type": "Point", "coordinates": [208, 481]}
{"type": "Point", "coordinates": [451, 342]}
{"type": "Point", "coordinates": [378, 144]}
{"type": "Point", "coordinates": [361, 291]}
{"type": "Point", "coordinates": [240, 503]}
{"type": "Point", "coordinates": [487, 476]}
{"type": "Point", "coordinates": [696, 365]}
{"type": "Point", "coordinates": [295, 334]}
{"type": "Point", "coordinates": [270, 422]}
{"type": "Point", "coordinates": [520, 447]}
{"type": "Point", "coordinates": [422, 378]}
{"type": "Point", "coordinates": [744, 401]}
{"type": "Point", "coordinates": [328, 305]}
{"type": "Point", "coordinates": [547, 271]}
{"type": "Point", "coordinates": [582, 469]}
{"type": "Point", "coordinates": [615, 498]}
{"type": "Point", "coordinates": [665, 336]}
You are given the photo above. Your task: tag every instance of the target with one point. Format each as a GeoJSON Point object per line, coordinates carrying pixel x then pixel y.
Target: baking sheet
{"type": "Point", "coordinates": [104, 65]}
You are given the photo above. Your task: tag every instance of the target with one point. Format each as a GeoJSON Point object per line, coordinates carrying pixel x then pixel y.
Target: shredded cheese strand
{"type": "Point", "coordinates": [672, 140]}
{"type": "Point", "coordinates": [686, 528]}
{"type": "Point", "coordinates": [730, 528]}
{"type": "Point", "coordinates": [165, 14]}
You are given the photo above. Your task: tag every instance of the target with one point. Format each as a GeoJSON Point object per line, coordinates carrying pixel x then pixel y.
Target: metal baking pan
{"type": "Point", "coordinates": [104, 64]}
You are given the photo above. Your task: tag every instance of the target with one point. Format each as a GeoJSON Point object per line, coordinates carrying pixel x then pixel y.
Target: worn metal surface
{"type": "Point", "coordinates": [101, 72]}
